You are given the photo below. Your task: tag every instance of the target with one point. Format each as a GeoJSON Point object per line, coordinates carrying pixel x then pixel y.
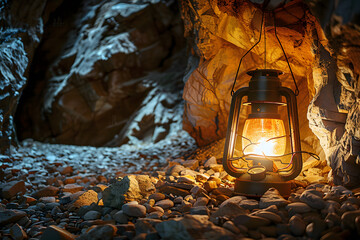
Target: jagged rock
{"type": "Point", "coordinates": [17, 233]}
{"type": "Point", "coordinates": [128, 189]}
{"type": "Point", "coordinates": [10, 216]}
{"type": "Point", "coordinates": [54, 232]}
{"type": "Point", "coordinates": [10, 189]}
{"type": "Point", "coordinates": [237, 200]}
{"type": "Point", "coordinates": [84, 198]}
{"type": "Point", "coordinates": [230, 209]}
{"type": "Point", "coordinates": [157, 196]}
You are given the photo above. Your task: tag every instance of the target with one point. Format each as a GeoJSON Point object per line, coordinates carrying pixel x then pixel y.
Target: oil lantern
{"type": "Point", "coordinates": [264, 150]}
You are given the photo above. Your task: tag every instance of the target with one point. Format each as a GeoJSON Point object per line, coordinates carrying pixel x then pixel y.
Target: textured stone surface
{"type": "Point", "coordinates": [109, 69]}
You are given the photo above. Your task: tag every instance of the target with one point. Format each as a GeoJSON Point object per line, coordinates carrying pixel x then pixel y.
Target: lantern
{"type": "Point", "coordinates": [254, 150]}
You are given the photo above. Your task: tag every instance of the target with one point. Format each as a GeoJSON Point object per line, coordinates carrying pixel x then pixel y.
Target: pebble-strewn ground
{"type": "Point", "coordinates": [152, 192]}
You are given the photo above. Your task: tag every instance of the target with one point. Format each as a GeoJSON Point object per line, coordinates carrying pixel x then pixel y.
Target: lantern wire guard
{"type": "Point", "coordinates": [264, 95]}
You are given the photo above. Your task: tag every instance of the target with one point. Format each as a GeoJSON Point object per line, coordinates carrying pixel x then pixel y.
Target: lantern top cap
{"type": "Point", "coordinates": [265, 72]}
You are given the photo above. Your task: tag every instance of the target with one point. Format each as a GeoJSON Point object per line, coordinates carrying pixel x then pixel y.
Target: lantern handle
{"type": "Point", "coordinates": [237, 71]}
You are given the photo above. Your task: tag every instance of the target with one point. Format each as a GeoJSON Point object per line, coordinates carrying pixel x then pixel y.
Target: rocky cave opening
{"type": "Point", "coordinates": [114, 116]}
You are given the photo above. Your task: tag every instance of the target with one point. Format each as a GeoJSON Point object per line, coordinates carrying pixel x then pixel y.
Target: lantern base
{"type": "Point", "coordinates": [258, 188]}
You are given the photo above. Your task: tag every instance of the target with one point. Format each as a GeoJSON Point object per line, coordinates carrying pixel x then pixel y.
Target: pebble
{"type": "Point", "coordinates": [10, 216]}
{"type": "Point", "coordinates": [229, 225]}
{"type": "Point", "coordinates": [157, 196]}
{"type": "Point", "coordinates": [10, 189]}
{"type": "Point", "coordinates": [165, 204]}
{"type": "Point", "coordinates": [48, 191]}
{"type": "Point", "coordinates": [313, 198]}
{"type": "Point", "coordinates": [134, 210]}
{"type": "Point", "coordinates": [297, 225]}
{"type": "Point", "coordinates": [92, 215]}
{"type": "Point", "coordinates": [299, 207]}
{"type": "Point", "coordinates": [17, 233]}
{"type": "Point", "coordinates": [268, 215]}
{"type": "Point", "coordinates": [201, 201]}
{"type": "Point", "coordinates": [72, 188]}
{"type": "Point", "coordinates": [210, 161]}
{"type": "Point", "coordinates": [249, 204]}
{"type": "Point", "coordinates": [251, 222]}
{"type": "Point", "coordinates": [54, 232]}
{"type": "Point", "coordinates": [272, 197]}
{"type": "Point", "coordinates": [348, 219]}
{"type": "Point", "coordinates": [120, 217]}
{"type": "Point", "coordinates": [200, 210]}
{"type": "Point", "coordinates": [236, 200]}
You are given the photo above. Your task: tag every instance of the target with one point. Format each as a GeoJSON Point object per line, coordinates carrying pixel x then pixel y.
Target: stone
{"type": "Point", "coordinates": [315, 228]}
{"type": "Point", "coordinates": [249, 204]}
{"type": "Point", "coordinates": [157, 196]}
{"type": "Point", "coordinates": [184, 207]}
{"type": "Point", "coordinates": [120, 217]}
{"type": "Point", "coordinates": [67, 170]}
{"type": "Point", "coordinates": [10, 189]}
{"type": "Point", "coordinates": [298, 207]}
{"type": "Point", "coordinates": [200, 210]}
{"type": "Point", "coordinates": [175, 170]}
{"type": "Point", "coordinates": [72, 188]}
{"type": "Point", "coordinates": [297, 226]}
{"type": "Point", "coordinates": [104, 232]}
{"type": "Point", "coordinates": [348, 219]}
{"type": "Point", "coordinates": [235, 199]}
{"type": "Point", "coordinates": [272, 197]}
{"type": "Point", "coordinates": [209, 186]}
{"type": "Point", "coordinates": [134, 210]}
{"type": "Point", "coordinates": [210, 161]}
{"type": "Point", "coordinates": [230, 210]}
{"type": "Point", "coordinates": [192, 164]}
{"type": "Point", "coordinates": [128, 189]}
{"type": "Point", "coordinates": [10, 216]}
{"type": "Point", "coordinates": [229, 225]}
{"type": "Point", "coordinates": [17, 233]}
{"type": "Point", "coordinates": [84, 198]}
{"type": "Point", "coordinates": [48, 191]}
{"type": "Point", "coordinates": [269, 231]}
{"type": "Point", "coordinates": [251, 222]}
{"type": "Point", "coordinates": [47, 199]}
{"type": "Point", "coordinates": [54, 232]}
{"type": "Point", "coordinates": [312, 198]}
{"type": "Point", "coordinates": [165, 204]}
{"type": "Point", "coordinates": [92, 215]}
{"type": "Point", "coordinates": [173, 190]}
{"type": "Point", "coordinates": [222, 191]}
{"type": "Point", "coordinates": [201, 201]}
{"type": "Point", "coordinates": [186, 179]}
{"type": "Point", "coordinates": [275, 218]}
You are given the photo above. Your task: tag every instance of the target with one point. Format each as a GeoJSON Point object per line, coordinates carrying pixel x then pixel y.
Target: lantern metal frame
{"type": "Point", "coordinates": [264, 95]}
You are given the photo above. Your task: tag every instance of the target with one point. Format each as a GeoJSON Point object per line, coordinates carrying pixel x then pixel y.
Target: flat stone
{"type": "Point", "coordinates": [54, 232]}
{"type": "Point", "coordinates": [17, 233]}
{"type": "Point", "coordinates": [10, 216]}
{"type": "Point", "coordinates": [92, 215]}
{"type": "Point", "coordinates": [134, 210]}
{"type": "Point", "coordinates": [236, 200]}
{"type": "Point", "coordinates": [173, 190]}
{"type": "Point", "coordinates": [200, 210]}
{"type": "Point", "coordinates": [223, 191]}
{"type": "Point", "coordinates": [192, 164]}
{"type": "Point", "coordinates": [297, 226]}
{"type": "Point", "coordinates": [157, 196]}
{"type": "Point", "coordinates": [249, 204]}
{"type": "Point", "coordinates": [229, 225]}
{"type": "Point", "coordinates": [105, 232]}
{"type": "Point", "coordinates": [251, 222]}
{"type": "Point", "coordinates": [186, 179]}
{"type": "Point", "coordinates": [315, 229]}
{"type": "Point", "coordinates": [272, 197]}
{"type": "Point", "coordinates": [230, 209]}
{"type": "Point", "coordinates": [165, 204]}
{"type": "Point", "coordinates": [10, 189]}
{"type": "Point", "coordinates": [311, 197]}
{"type": "Point", "coordinates": [299, 207]}
{"type": "Point", "coordinates": [48, 191]}
{"type": "Point", "coordinates": [175, 170]}
{"type": "Point", "coordinates": [72, 188]}
{"type": "Point", "coordinates": [47, 199]}
{"type": "Point", "coordinates": [275, 218]}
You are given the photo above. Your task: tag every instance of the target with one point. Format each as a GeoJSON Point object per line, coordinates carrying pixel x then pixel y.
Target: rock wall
{"type": "Point", "coordinates": [321, 39]}
{"type": "Point", "coordinates": [21, 29]}
{"type": "Point", "coordinates": [106, 73]}
{"type": "Point", "coordinates": [220, 33]}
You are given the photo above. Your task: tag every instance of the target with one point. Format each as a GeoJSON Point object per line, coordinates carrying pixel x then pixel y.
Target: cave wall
{"type": "Point", "coordinates": [220, 33]}
{"type": "Point", "coordinates": [321, 39]}
{"type": "Point", "coordinates": [106, 73]}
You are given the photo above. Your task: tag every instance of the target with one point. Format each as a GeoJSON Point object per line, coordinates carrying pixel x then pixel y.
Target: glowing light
{"type": "Point", "coordinates": [264, 137]}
